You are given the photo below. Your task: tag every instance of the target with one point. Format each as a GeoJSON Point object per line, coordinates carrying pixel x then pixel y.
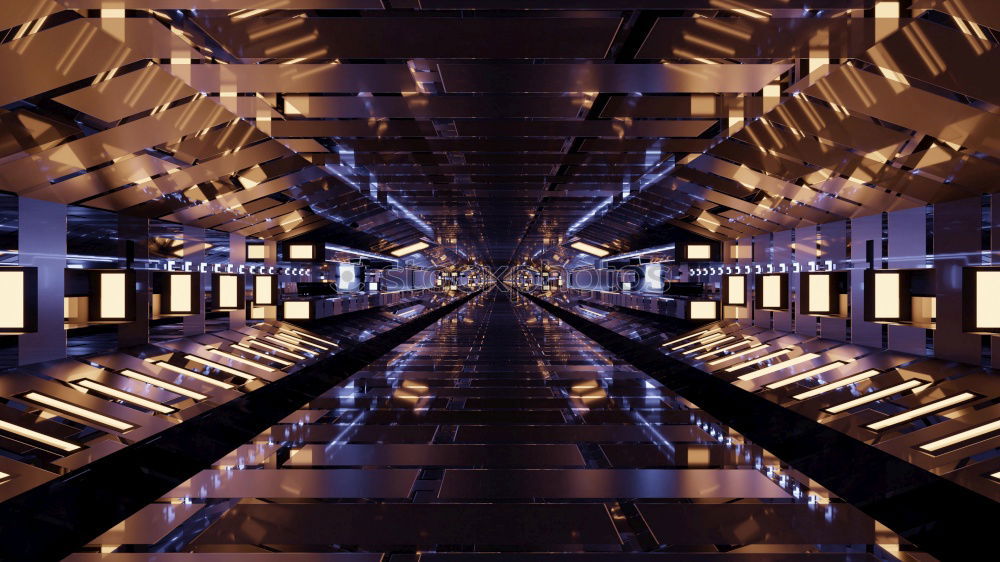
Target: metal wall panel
{"type": "Point", "coordinates": [44, 247]}
{"type": "Point", "coordinates": [907, 246]}
{"type": "Point", "coordinates": [956, 231]}
{"type": "Point", "coordinates": [782, 254]}
{"type": "Point", "coordinates": [805, 251]}
{"type": "Point", "coordinates": [761, 254]}
{"type": "Point", "coordinates": [833, 247]}
{"type": "Point", "coordinates": [864, 229]}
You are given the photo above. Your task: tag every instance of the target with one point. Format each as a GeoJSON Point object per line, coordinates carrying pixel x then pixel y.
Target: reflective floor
{"type": "Point", "coordinates": [498, 433]}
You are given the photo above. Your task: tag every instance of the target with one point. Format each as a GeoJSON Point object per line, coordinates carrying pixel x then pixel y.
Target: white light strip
{"type": "Point", "coordinates": [706, 339]}
{"type": "Point", "coordinates": [289, 344]}
{"type": "Point", "coordinates": [192, 374]}
{"type": "Point", "coordinates": [263, 345]}
{"type": "Point", "coordinates": [61, 406]}
{"type": "Point", "coordinates": [239, 359]}
{"type": "Point", "coordinates": [220, 367]}
{"type": "Point", "coordinates": [319, 339]}
{"type": "Point", "coordinates": [836, 384]}
{"type": "Point", "coordinates": [810, 373]}
{"type": "Point", "coordinates": [40, 437]}
{"type": "Point", "coordinates": [678, 340]}
{"type": "Point", "coordinates": [721, 349]}
{"type": "Point", "coordinates": [874, 396]}
{"type": "Point", "coordinates": [779, 366]}
{"type": "Point", "coordinates": [708, 345]}
{"type": "Point", "coordinates": [262, 354]}
{"type": "Point", "coordinates": [732, 356]}
{"type": "Point", "coordinates": [293, 339]}
{"type": "Point", "coordinates": [176, 389]}
{"type": "Point", "coordinates": [968, 434]}
{"type": "Point", "coordinates": [4, 476]}
{"type": "Point", "coordinates": [756, 360]}
{"type": "Point", "coordinates": [125, 396]}
{"type": "Point", "coordinates": [924, 410]}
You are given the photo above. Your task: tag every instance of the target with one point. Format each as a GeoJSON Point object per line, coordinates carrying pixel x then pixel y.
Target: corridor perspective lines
{"type": "Point", "coordinates": [498, 433]}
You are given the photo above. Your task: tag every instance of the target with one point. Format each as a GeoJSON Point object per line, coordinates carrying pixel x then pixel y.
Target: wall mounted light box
{"type": "Point", "coordinates": [771, 292]}
{"type": "Point", "coordinates": [112, 295]}
{"type": "Point", "coordinates": [301, 252]}
{"type": "Point", "coordinates": [887, 295]}
{"type": "Point", "coordinates": [265, 290]}
{"type": "Point", "coordinates": [734, 290]}
{"type": "Point", "coordinates": [820, 292]}
{"type": "Point", "coordinates": [298, 310]}
{"type": "Point", "coordinates": [19, 287]}
{"type": "Point", "coordinates": [702, 310]}
{"type": "Point", "coordinates": [227, 291]}
{"type": "Point", "coordinates": [697, 251]}
{"type": "Point", "coordinates": [181, 293]}
{"type": "Point", "coordinates": [256, 252]}
{"type": "Point", "coordinates": [980, 306]}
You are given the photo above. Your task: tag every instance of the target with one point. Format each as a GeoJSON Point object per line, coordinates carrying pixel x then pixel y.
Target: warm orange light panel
{"type": "Point", "coordinates": [297, 310]}
{"type": "Point", "coordinates": [301, 251]}
{"type": "Point", "coordinates": [736, 287]}
{"type": "Point", "coordinates": [771, 286]}
{"type": "Point", "coordinates": [256, 252]}
{"type": "Point", "coordinates": [699, 252]}
{"type": "Point", "coordinates": [113, 295]}
{"type": "Point", "coordinates": [12, 289]}
{"type": "Point", "coordinates": [704, 310]}
{"type": "Point", "coordinates": [180, 293]}
{"type": "Point", "coordinates": [987, 303]}
{"type": "Point", "coordinates": [589, 249]}
{"type": "Point", "coordinates": [229, 291]}
{"type": "Point", "coordinates": [887, 292]}
{"type": "Point", "coordinates": [407, 250]}
{"type": "Point", "coordinates": [819, 292]}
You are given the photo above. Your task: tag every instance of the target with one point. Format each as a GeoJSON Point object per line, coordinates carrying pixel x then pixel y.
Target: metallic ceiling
{"type": "Point", "coordinates": [498, 130]}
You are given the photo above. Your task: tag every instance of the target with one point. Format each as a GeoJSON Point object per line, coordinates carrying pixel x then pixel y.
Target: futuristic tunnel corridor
{"type": "Point", "coordinates": [499, 280]}
{"type": "Point", "coordinates": [499, 429]}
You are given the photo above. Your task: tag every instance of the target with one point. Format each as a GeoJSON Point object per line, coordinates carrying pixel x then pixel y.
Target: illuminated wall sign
{"type": "Point", "coordinates": [298, 310]}
{"type": "Point", "coordinates": [980, 302]}
{"type": "Point", "coordinates": [887, 295]}
{"type": "Point", "coordinates": [256, 252]}
{"type": "Point", "coordinates": [300, 252]}
{"type": "Point", "coordinates": [112, 295]}
{"type": "Point", "coordinates": [697, 252]}
{"type": "Point", "coordinates": [772, 291]}
{"type": "Point", "coordinates": [265, 290]}
{"type": "Point", "coordinates": [19, 287]}
{"type": "Point", "coordinates": [820, 293]}
{"type": "Point", "coordinates": [734, 290]}
{"type": "Point", "coordinates": [702, 310]}
{"type": "Point", "coordinates": [181, 293]}
{"type": "Point", "coordinates": [227, 291]}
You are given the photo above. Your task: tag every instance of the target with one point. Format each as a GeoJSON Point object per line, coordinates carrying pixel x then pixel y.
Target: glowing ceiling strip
{"type": "Point", "coordinates": [836, 384]}
{"type": "Point", "coordinates": [874, 396]}
{"type": "Point", "coordinates": [176, 389]}
{"type": "Point", "coordinates": [63, 407]}
{"type": "Point", "coordinates": [125, 396]}
{"type": "Point", "coordinates": [924, 410]}
{"type": "Point", "coordinates": [37, 436]}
